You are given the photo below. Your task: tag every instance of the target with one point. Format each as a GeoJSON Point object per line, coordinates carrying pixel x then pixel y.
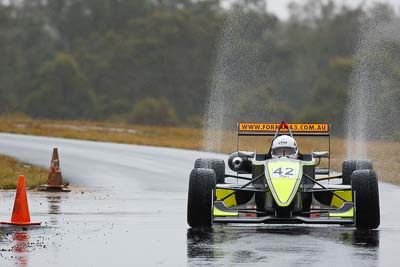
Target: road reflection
{"type": "Point", "coordinates": [54, 203]}
{"type": "Point", "coordinates": [367, 239]}
{"type": "Point", "coordinates": [307, 244]}
{"type": "Point", "coordinates": [200, 244]}
{"type": "Point", "coordinates": [20, 247]}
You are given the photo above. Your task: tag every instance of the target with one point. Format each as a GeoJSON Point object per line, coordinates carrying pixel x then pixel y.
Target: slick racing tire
{"type": "Point", "coordinates": [349, 166]}
{"type": "Point", "coordinates": [218, 165]}
{"type": "Point", "coordinates": [200, 198]}
{"type": "Point", "coordinates": [366, 198]}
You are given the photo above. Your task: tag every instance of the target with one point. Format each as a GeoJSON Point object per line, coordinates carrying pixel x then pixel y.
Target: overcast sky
{"type": "Point", "coordinates": [279, 7]}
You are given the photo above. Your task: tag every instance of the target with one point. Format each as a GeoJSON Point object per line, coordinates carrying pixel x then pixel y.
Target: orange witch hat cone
{"type": "Point", "coordinates": [54, 181]}
{"type": "Point", "coordinates": [20, 214]}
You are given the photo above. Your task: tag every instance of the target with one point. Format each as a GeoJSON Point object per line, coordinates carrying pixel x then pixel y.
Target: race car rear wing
{"type": "Point", "coordinates": [269, 129]}
{"type": "Point", "coordinates": [295, 129]}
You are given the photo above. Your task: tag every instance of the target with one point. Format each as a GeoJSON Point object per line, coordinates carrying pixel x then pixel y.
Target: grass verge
{"type": "Point", "coordinates": [383, 154]}
{"type": "Point", "coordinates": [11, 168]}
{"type": "Point", "coordinates": [187, 138]}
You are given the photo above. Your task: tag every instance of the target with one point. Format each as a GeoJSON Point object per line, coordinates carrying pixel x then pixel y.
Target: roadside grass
{"type": "Point", "coordinates": [186, 138]}
{"type": "Point", "coordinates": [383, 154]}
{"type": "Point", "coordinates": [11, 168]}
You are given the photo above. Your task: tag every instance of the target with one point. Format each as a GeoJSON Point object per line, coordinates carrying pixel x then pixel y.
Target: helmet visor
{"type": "Point", "coordinates": [283, 151]}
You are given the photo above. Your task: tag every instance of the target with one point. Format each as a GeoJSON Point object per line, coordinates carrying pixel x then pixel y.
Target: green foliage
{"type": "Point", "coordinates": [93, 59]}
{"type": "Point", "coordinates": [153, 111]}
{"type": "Point", "coordinates": [63, 91]}
{"type": "Point", "coordinates": [329, 95]}
{"type": "Point", "coordinates": [195, 121]}
{"type": "Point", "coordinates": [262, 103]}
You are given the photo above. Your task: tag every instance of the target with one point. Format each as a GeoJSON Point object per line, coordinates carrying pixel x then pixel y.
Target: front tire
{"type": "Point", "coordinates": [365, 185]}
{"type": "Point", "coordinates": [218, 165]}
{"type": "Point", "coordinates": [200, 198]}
{"type": "Point", "coordinates": [349, 166]}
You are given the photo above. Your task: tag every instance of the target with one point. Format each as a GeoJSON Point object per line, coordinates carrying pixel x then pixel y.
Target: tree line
{"type": "Point", "coordinates": [151, 62]}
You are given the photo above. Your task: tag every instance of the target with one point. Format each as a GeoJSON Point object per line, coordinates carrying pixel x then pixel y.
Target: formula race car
{"type": "Point", "coordinates": [283, 186]}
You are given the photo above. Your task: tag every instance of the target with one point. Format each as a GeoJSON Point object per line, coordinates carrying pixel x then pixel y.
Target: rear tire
{"type": "Point", "coordinates": [218, 165]}
{"type": "Point", "coordinates": [365, 185]}
{"type": "Point", "coordinates": [349, 166]}
{"type": "Point", "coordinates": [200, 198]}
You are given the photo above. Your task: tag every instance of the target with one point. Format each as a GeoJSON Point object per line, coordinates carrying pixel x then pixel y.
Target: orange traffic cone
{"type": "Point", "coordinates": [20, 214]}
{"type": "Point", "coordinates": [54, 181]}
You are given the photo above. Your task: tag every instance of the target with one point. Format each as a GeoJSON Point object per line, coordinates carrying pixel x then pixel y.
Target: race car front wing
{"type": "Point", "coordinates": [342, 216]}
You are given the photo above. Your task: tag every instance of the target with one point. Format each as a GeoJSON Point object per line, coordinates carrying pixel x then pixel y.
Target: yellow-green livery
{"type": "Point", "coordinates": [284, 185]}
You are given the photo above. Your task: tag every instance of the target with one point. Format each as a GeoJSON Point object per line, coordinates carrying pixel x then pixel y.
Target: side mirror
{"type": "Point", "coordinates": [241, 161]}
{"type": "Point", "coordinates": [320, 154]}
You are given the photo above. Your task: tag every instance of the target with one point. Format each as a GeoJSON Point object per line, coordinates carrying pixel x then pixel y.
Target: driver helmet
{"type": "Point", "coordinates": [284, 146]}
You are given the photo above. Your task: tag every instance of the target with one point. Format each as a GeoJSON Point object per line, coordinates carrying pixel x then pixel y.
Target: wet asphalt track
{"type": "Point", "coordinates": [133, 213]}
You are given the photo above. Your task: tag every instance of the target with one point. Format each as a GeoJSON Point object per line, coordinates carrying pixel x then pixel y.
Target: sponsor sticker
{"type": "Point", "coordinates": [297, 127]}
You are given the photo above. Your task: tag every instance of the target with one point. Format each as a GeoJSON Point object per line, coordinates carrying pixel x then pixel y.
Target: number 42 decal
{"type": "Point", "coordinates": [283, 172]}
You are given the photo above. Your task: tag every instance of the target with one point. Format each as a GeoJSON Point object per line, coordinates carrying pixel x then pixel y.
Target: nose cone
{"type": "Point", "coordinates": [283, 179]}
